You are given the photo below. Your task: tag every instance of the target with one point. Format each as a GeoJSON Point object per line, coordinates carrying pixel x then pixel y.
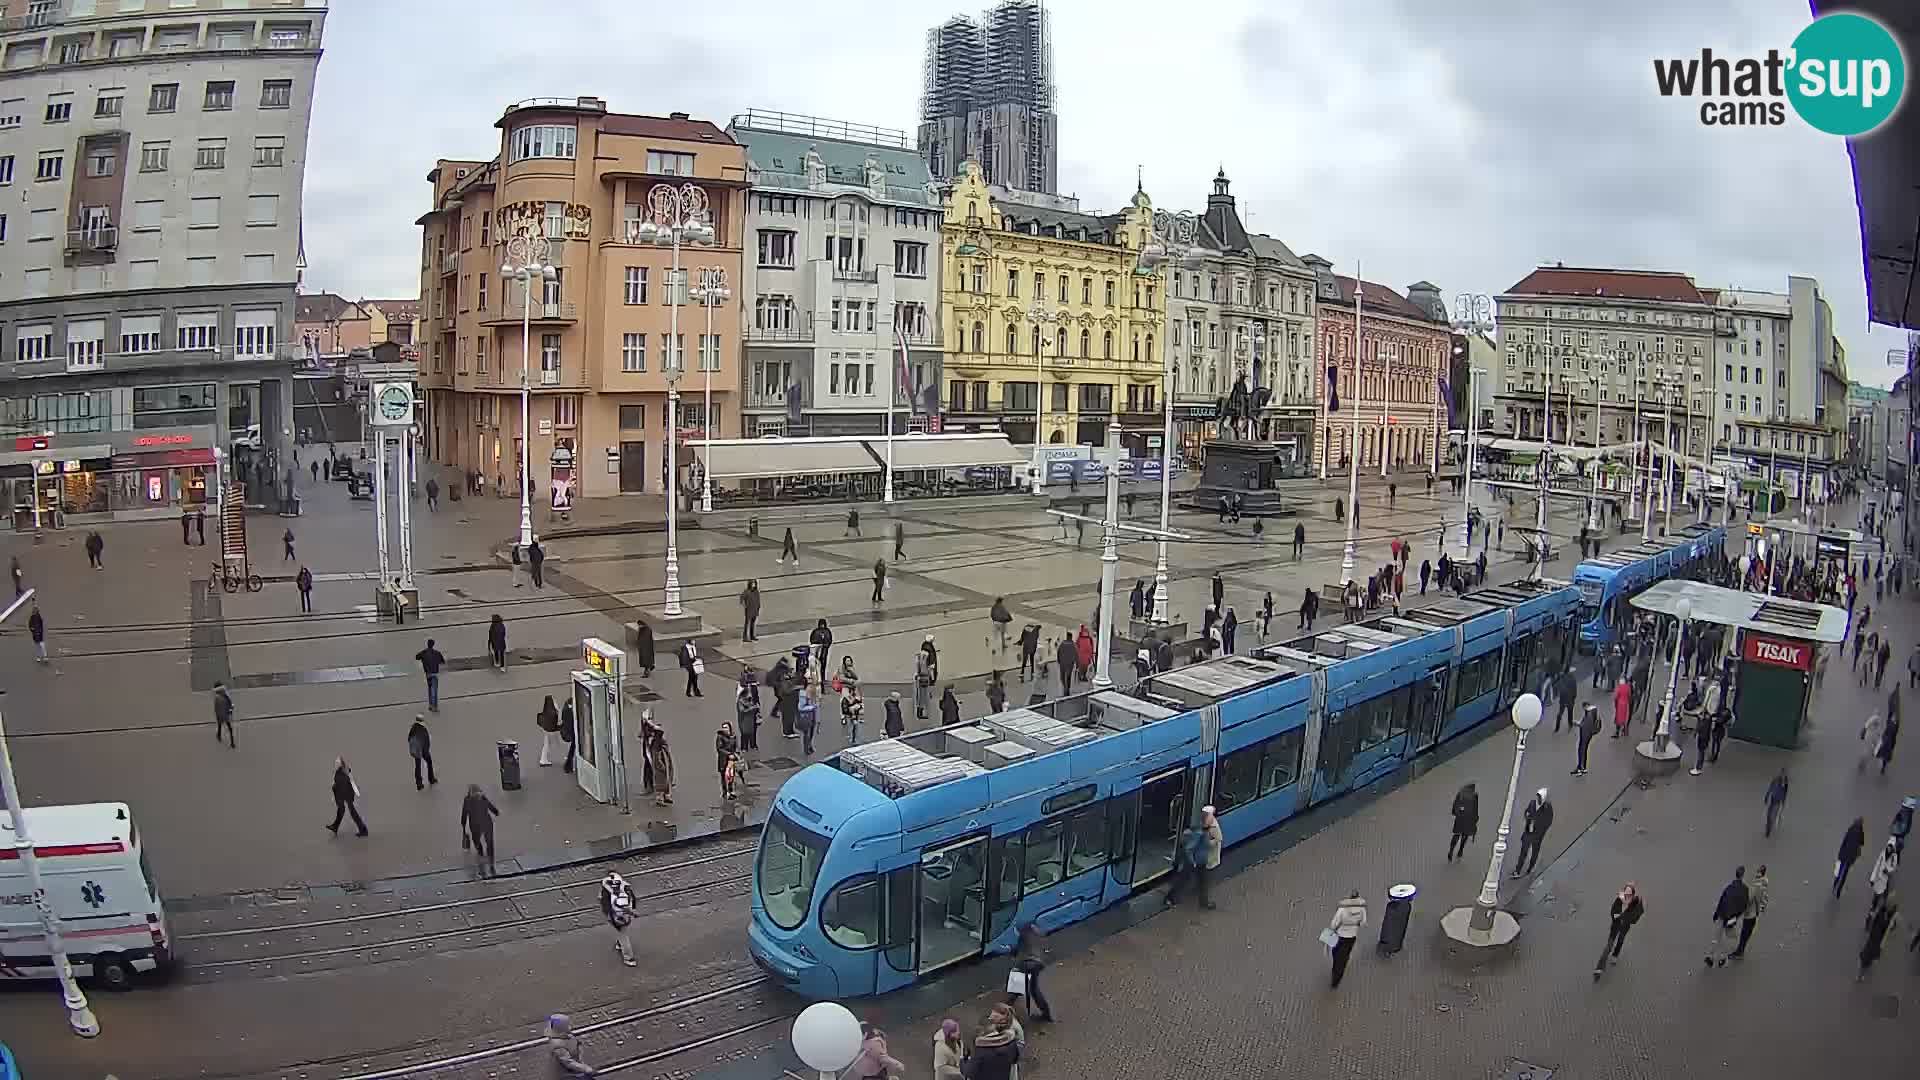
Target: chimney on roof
{"type": "Point", "coordinates": [1425, 295]}
{"type": "Point", "coordinates": [678, 116]}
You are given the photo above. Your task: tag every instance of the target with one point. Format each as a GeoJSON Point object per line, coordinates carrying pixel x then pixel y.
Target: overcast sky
{"type": "Point", "coordinates": [1460, 141]}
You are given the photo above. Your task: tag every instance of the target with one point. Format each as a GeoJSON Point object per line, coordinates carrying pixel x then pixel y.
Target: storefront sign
{"type": "Point", "coordinates": [599, 658]}
{"type": "Point", "coordinates": [163, 440]}
{"type": "Point", "coordinates": [1778, 653]}
{"type": "Point", "coordinates": [32, 442]}
{"type": "Point", "coordinates": [1206, 411]}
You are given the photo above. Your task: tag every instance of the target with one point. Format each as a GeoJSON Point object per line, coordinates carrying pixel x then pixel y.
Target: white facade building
{"type": "Point", "coordinates": [842, 247]}
{"type": "Point", "coordinates": [152, 155]}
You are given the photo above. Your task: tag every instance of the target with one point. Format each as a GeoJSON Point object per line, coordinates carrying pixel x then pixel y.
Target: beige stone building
{"type": "Point", "coordinates": [600, 340]}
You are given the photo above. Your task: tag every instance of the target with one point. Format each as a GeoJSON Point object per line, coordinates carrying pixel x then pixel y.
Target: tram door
{"type": "Point", "coordinates": [1430, 708]}
{"type": "Point", "coordinates": [1165, 805]}
{"type": "Point", "coordinates": [953, 902]}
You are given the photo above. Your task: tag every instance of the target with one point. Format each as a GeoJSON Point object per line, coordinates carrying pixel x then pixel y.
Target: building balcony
{"type": "Point", "coordinates": [928, 338]}
{"type": "Point", "coordinates": [509, 313]}
{"type": "Point", "coordinates": [759, 397]}
{"type": "Point", "coordinates": [449, 262]}
{"type": "Point", "coordinates": [96, 238]}
{"type": "Point", "coordinates": [856, 275]}
{"type": "Point", "coordinates": [799, 334]}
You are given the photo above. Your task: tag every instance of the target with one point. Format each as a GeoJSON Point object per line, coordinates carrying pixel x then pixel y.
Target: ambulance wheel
{"type": "Point", "coordinates": [113, 972]}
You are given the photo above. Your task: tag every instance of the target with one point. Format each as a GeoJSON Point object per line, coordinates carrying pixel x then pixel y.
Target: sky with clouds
{"type": "Point", "coordinates": [1460, 141]}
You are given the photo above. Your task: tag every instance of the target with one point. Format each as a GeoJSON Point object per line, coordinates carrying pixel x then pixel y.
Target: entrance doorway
{"type": "Point", "coordinates": [1163, 811]}
{"type": "Point", "coordinates": [633, 467]}
{"type": "Point", "coordinates": [953, 903]}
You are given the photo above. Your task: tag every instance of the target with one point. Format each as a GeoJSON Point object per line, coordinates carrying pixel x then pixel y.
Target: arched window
{"type": "Point", "coordinates": [1086, 343]}
{"type": "Point", "coordinates": [1136, 349]}
{"type": "Point", "coordinates": [1106, 345]}
{"type": "Point", "coordinates": [1213, 377]}
{"type": "Point", "coordinates": [1036, 339]}
{"type": "Point", "coordinates": [1013, 342]}
{"type": "Point", "coordinates": [1149, 348]}
{"type": "Point", "coordinates": [979, 338]}
{"type": "Point", "coordinates": [1060, 349]}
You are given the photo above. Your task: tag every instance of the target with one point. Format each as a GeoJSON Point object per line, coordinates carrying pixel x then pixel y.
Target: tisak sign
{"type": "Point", "coordinates": [1775, 652]}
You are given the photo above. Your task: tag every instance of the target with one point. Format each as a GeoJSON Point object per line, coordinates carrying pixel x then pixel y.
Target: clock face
{"type": "Point", "coordinates": [396, 404]}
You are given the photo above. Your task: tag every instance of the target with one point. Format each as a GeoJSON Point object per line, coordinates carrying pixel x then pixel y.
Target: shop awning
{"type": "Point", "coordinates": [950, 451]}
{"type": "Point", "coordinates": [739, 459]}
{"type": "Point", "coordinates": [55, 453]}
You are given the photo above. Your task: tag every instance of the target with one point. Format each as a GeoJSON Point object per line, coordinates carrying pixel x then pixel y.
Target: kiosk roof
{"type": "Point", "coordinates": [1747, 611]}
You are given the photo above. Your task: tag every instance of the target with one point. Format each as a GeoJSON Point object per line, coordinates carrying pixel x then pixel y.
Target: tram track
{"type": "Point", "coordinates": [489, 918]}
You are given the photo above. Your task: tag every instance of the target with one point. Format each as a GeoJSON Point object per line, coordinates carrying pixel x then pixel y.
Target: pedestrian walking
{"type": "Point", "coordinates": [1299, 540]}
{"type": "Point", "coordinates": [1776, 799]}
{"type": "Point", "coordinates": [431, 661]}
{"type": "Point", "coordinates": [223, 715]}
{"type": "Point", "coordinates": [568, 733]}
{"type": "Point", "coordinates": [286, 543]}
{"type": "Point", "coordinates": [899, 541]}
{"type": "Point", "coordinates": [893, 721]}
{"type": "Point", "coordinates": [1466, 820]}
{"type": "Point", "coordinates": [750, 610]}
{"type": "Point", "coordinates": [879, 581]}
{"type": "Point", "coordinates": [1623, 707]}
{"type": "Point", "coordinates": [1626, 910]}
{"type": "Point", "coordinates": [1083, 653]}
{"type": "Point", "coordinates": [1702, 740]}
{"type": "Point", "coordinates": [1852, 842]}
{"type": "Point", "coordinates": [726, 751]}
{"type": "Point", "coordinates": [922, 683]}
{"type": "Point", "coordinates": [999, 618]}
{"type": "Point", "coordinates": [1880, 663]}
{"type": "Point", "coordinates": [1880, 878]}
{"type": "Point", "coordinates": [497, 642]}
{"type": "Point", "coordinates": [822, 641]}
{"type": "Point", "coordinates": [746, 714]}
{"type": "Point", "coordinates": [1589, 729]}
{"type": "Point", "coordinates": [346, 795]}
{"type": "Point", "coordinates": [1889, 736]}
{"type": "Point", "coordinates": [20, 585]}
{"type": "Point", "coordinates": [304, 582]}
{"type": "Point", "coordinates": [873, 1062]}
{"type": "Point", "coordinates": [949, 707]}
{"type": "Point", "coordinates": [948, 1051]}
{"type": "Point", "coordinates": [476, 823]}
{"type": "Point", "coordinates": [853, 713]}
{"type": "Point", "coordinates": [788, 550]}
{"type": "Point", "coordinates": [1756, 907]}
{"type": "Point", "coordinates": [536, 563]}
{"type": "Point", "coordinates": [660, 759]}
{"type": "Point", "coordinates": [420, 747]}
{"type": "Point", "coordinates": [1228, 625]}
{"type": "Point", "coordinates": [1190, 863]}
{"type": "Point", "coordinates": [1029, 651]}
{"type": "Point", "coordinates": [313, 467]}
{"type": "Point", "coordinates": [695, 667]}
{"type": "Point", "coordinates": [1566, 687]}
{"type": "Point", "coordinates": [548, 721]}
{"type": "Point", "coordinates": [1727, 912]}
{"type": "Point", "coordinates": [37, 629]}
{"type": "Point", "coordinates": [95, 545]}
{"type": "Point", "coordinates": [617, 904]}
{"type": "Point", "coordinates": [1348, 917]}
{"type": "Point", "coordinates": [433, 494]}
{"type": "Point", "coordinates": [1879, 925]}
{"type": "Point", "coordinates": [1030, 961]}
{"type": "Point", "coordinates": [200, 525]}
{"type": "Point", "coordinates": [1539, 818]}
{"type": "Point", "coordinates": [853, 522]}
{"type": "Point", "coordinates": [1219, 590]}
{"type": "Point", "coordinates": [997, 694]}
{"type": "Point", "coordinates": [563, 1047]}
{"type": "Point", "coordinates": [1717, 721]}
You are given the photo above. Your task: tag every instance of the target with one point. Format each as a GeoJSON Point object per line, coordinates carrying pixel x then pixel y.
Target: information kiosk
{"type": "Point", "coordinates": [599, 736]}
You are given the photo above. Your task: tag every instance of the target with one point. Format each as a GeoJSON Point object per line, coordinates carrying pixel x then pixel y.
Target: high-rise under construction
{"type": "Point", "coordinates": [989, 98]}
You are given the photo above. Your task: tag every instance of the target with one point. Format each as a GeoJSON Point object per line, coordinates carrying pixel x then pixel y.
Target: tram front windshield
{"type": "Point", "coordinates": [790, 859]}
{"type": "Point", "coordinates": [1590, 592]}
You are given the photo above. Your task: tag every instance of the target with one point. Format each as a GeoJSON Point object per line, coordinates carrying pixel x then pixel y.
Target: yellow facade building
{"type": "Point", "coordinates": [1049, 319]}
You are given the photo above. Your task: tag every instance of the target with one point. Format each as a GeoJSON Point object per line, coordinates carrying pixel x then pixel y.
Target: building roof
{"type": "Point", "coordinates": [1268, 247]}
{"type": "Point", "coordinates": [1656, 285]}
{"type": "Point", "coordinates": [1379, 299]}
{"type": "Point", "coordinates": [394, 309]}
{"type": "Point", "coordinates": [325, 307]}
{"type": "Point", "coordinates": [777, 160]}
{"type": "Point", "coordinates": [1098, 228]}
{"type": "Point", "coordinates": [676, 126]}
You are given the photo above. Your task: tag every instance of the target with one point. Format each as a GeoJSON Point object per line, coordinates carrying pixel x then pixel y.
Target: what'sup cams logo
{"type": "Point", "coordinates": [1845, 75]}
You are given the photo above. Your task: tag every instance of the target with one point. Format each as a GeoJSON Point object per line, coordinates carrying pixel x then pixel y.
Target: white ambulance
{"type": "Point", "coordinates": [95, 872]}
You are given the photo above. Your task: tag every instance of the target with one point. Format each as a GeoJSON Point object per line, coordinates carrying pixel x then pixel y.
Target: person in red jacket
{"type": "Point", "coordinates": [1083, 650]}
{"type": "Point", "coordinates": [1622, 702]}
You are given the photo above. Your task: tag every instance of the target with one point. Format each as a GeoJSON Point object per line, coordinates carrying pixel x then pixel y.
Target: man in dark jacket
{"type": "Point", "coordinates": [1727, 913]}
{"type": "Point", "coordinates": [1068, 659]}
{"type": "Point", "coordinates": [879, 580]}
{"type": "Point", "coordinates": [420, 745]}
{"type": "Point", "coordinates": [822, 641]}
{"type": "Point", "coordinates": [1589, 728]}
{"type": "Point", "coordinates": [536, 561]}
{"type": "Point", "coordinates": [1001, 618]}
{"type": "Point", "coordinates": [895, 723]}
{"type": "Point", "coordinates": [95, 545]}
{"type": "Point", "coordinates": [1566, 687]}
{"type": "Point", "coordinates": [304, 582]}
{"type": "Point", "coordinates": [1219, 590]}
{"type": "Point", "coordinates": [1539, 818]}
{"type": "Point", "coordinates": [949, 707]}
{"type": "Point", "coordinates": [1466, 821]}
{"type": "Point", "coordinates": [1029, 650]}
{"type": "Point", "coordinates": [431, 661]}
{"type": "Point", "coordinates": [223, 715]}
{"type": "Point", "coordinates": [476, 822]}
{"type": "Point", "coordinates": [1851, 843]}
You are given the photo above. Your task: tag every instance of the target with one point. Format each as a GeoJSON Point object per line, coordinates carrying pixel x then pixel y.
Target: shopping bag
{"type": "Point", "coordinates": [1329, 938]}
{"type": "Point", "coordinates": [699, 666]}
{"type": "Point", "coordinates": [1016, 981]}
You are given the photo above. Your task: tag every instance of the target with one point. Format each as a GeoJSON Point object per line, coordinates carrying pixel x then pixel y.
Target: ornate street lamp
{"type": "Point", "coordinates": [1484, 923]}
{"type": "Point", "coordinates": [712, 291]}
{"type": "Point", "coordinates": [676, 215]}
{"type": "Point", "coordinates": [1041, 316]}
{"type": "Point", "coordinates": [1173, 246]}
{"type": "Point", "coordinates": [529, 261]}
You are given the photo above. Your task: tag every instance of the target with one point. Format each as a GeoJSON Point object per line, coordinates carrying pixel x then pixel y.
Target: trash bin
{"type": "Point", "coordinates": [1393, 924]}
{"type": "Point", "coordinates": [802, 656]}
{"type": "Point", "coordinates": [509, 751]}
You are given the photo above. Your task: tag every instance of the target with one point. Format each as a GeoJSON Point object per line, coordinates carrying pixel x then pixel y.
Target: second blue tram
{"type": "Point", "coordinates": [895, 859]}
{"type": "Point", "coordinates": [1606, 582]}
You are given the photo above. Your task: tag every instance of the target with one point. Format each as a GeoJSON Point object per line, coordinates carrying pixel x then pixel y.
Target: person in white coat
{"type": "Point", "coordinates": [1870, 733]}
{"type": "Point", "coordinates": [1348, 918]}
{"type": "Point", "coordinates": [1881, 878]}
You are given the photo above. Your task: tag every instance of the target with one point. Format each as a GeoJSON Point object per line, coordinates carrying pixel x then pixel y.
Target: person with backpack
{"type": "Point", "coordinates": [548, 721]}
{"type": "Point", "coordinates": [617, 904]}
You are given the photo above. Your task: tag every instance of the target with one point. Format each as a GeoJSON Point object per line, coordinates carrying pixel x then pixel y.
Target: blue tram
{"type": "Point", "coordinates": [1608, 581]}
{"type": "Point", "coordinates": [898, 858]}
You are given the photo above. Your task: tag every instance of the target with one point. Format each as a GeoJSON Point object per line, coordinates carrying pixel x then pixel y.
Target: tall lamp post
{"type": "Point", "coordinates": [529, 261]}
{"type": "Point", "coordinates": [1484, 923]}
{"type": "Point", "coordinates": [1041, 316]}
{"type": "Point", "coordinates": [1353, 450]}
{"type": "Point", "coordinates": [1173, 246]}
{"type": "Point", "coordinates": [675, 216]}
{"type": "Point", "coordinates": [712, 291]}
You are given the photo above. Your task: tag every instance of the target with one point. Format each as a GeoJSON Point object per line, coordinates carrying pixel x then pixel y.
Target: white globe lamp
{"type": "Point", "coordinates": [827, 1037]}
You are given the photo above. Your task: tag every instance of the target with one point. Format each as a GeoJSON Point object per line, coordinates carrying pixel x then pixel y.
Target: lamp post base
{"type": "Point", "coordinates": [1472, 926]}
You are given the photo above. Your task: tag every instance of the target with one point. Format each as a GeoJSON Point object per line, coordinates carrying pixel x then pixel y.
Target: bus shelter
{"type": "Point", "coordinates": [1776, 649]}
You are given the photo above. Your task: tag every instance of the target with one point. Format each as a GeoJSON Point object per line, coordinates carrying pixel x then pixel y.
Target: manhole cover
{"type": "Point", "coordinates": [1521, 1070]}
{"type": "Point", "coordinates": [780, 763]}
{"type": "Point", "coordinates": [1886, 1006]}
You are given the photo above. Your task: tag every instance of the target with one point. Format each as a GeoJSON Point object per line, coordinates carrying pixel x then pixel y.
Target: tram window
{"type": "Point", "coordinates": [1088, 834]}
{"type": "Point", "coordinates": [1376, 721]}
{"type": "Point", "coordinates": [790, 859]}
{"type": "Point", "coordinates": [1401, 703]}
{"type": "Point", "coordinates": [851, 913]}
{"type": "Point", "coordinates": [1068, 800]}
{"type": "Point", "coordinates": [1280, 764]}
{"type": "Point", "coordinates": [1239, 778]}
{"type": "Point", "coordinates": [1338, 742]}
{"type": "Point", "coordinates": [1607, 610]}
{"type": "Point", "coordinates": [1046, 854]}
